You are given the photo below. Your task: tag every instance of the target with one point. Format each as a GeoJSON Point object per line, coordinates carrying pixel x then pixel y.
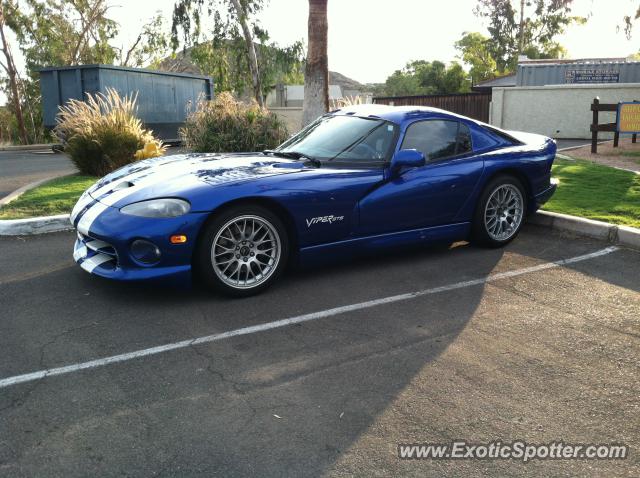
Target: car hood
{"type": "Point", "coordinates": [185, 174]}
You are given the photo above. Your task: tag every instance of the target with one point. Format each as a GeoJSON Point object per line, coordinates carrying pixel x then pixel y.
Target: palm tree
{"type": "Point", "coordinates": [316, 76]}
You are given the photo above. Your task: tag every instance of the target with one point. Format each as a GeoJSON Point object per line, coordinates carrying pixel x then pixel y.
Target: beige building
{"type": "Point", "coordinates": [553, 97]}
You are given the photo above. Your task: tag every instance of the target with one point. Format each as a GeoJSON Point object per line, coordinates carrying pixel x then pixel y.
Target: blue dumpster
{"type": "Point", "coordinates": [164, 98]}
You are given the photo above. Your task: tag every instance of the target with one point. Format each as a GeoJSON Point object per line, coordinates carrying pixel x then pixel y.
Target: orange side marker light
{"type": "Point", "coordinates": [178, 239]}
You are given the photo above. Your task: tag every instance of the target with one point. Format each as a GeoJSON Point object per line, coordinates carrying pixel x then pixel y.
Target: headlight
{"type": "Point", "coordinates": [158, 208]}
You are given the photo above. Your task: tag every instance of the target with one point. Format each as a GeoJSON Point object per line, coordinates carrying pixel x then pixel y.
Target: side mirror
{"type": "Point", "coordinates": [407, 158]}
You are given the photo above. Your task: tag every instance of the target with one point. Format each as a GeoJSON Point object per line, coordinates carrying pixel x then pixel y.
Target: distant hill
{"type": "Point", "coordinates": [345, 82]}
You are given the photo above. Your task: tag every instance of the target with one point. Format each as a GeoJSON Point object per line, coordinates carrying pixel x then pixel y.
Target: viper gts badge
{"type": "Point", "coordinates": [330, 219]}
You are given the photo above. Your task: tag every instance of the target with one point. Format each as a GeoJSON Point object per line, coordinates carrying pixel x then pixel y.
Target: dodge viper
{"type": "Point", "coordinates": [360, 178]}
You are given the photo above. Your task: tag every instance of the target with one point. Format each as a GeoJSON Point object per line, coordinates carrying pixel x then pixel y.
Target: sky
{"type": "Point", "coordinates": [370, 39]}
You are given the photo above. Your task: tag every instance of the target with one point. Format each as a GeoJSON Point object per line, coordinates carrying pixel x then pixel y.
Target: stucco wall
{"type": "Point", "coordinates": [291, 116]}
{"type": "Point", "coordinates": [559, 111]}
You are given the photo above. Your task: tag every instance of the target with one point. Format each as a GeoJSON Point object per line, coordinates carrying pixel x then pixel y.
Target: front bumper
{"type": "Point", "coordinates": [102, 248]}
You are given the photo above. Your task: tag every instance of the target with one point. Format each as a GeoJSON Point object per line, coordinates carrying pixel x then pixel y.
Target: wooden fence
{"type": "Point", "coordinates": [474, 105]}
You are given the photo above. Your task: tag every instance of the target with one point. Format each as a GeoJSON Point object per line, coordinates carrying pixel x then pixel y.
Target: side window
{"type": "Point", "coordinates": [464, 140]}
{"type": "Point", "coordinates": [438, 139]}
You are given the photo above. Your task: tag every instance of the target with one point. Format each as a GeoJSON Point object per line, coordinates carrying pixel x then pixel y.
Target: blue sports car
{"type": "Point", "coordinates": [359, 178]}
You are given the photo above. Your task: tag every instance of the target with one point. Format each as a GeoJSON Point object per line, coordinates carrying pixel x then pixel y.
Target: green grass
{"type": "Point", "coordinates": [596, 192]}
{"type": "Point", "coordinates": [57, 196]}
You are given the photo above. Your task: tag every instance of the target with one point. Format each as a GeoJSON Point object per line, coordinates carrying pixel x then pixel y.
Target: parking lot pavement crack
{"type": "Point", "coordinates": [236, 386]}
{"type": "Point", "coordinates": [43, 347]}
{"type": "Point", "coordinates": [22, 399]}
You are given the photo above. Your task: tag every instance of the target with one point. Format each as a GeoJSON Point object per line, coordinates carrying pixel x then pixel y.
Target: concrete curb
{"type": "Point", "coordinates": [20, 191]}
{"type": "Point", "coordinates": [622, 235]}
{"type": "Point", "coordinates": [29, 147]}
{"type": "Point", "coordinates": [34, 225]}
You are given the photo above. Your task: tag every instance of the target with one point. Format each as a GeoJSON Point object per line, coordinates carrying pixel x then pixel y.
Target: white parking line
{"type": "Point", "coordinates": [29, 377]}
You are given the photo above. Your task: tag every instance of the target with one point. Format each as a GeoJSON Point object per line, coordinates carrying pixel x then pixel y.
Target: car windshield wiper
{"type": "Point", "coordinates": [357, 141]}
{"type": "Point", "coordinates": [294, 155]}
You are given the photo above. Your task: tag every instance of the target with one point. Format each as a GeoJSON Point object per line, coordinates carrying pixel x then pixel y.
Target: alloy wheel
{"type": "Point", "coordinates": [503, 212]}
{"type": "Point", "coordinates": [246, 251]}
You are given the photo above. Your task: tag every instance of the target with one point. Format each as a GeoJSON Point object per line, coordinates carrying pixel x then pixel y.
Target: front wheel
{"type": "Point", "coordinates": [242, 251]}
{"type": "Point", "coordinates": [500, 212]}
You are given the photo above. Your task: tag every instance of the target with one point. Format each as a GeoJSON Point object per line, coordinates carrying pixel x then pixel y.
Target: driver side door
{"type": "Point", "coordinates": [431, 195]}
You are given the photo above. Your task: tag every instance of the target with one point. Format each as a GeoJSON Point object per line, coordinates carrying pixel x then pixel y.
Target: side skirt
{"type": "Point", "coordinates": [346, 248]}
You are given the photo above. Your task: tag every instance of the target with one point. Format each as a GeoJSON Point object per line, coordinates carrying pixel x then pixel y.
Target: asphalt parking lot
{"type": "Point", "coordinates": [19, 168]}
{"type": "Point", "coordinates": [540, 353]}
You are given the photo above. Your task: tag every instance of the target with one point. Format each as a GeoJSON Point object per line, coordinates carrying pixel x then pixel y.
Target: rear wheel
{"type": "Point", "coordinates": [500, 212]}
{"type": "Point", "coordinates": [242, 251]}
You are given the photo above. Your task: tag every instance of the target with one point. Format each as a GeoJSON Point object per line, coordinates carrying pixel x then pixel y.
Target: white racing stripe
{"type": "Point", "coordinates": [79, 253]}
{"type": "Point", "coordinates": [95, 261]}
{"type": "Point", "coordinates": [159, 172]}
{"type": "Point", "coordinates": [83, 202]}
{"type": "Point", "coordinates": [96, 245]}
{"type": "Point", "coordinates": [87, 197]}
{"type": "Point", "coordinates": [29, 377]}
{"type": "Point", "coordinates": [91, 215]}
{"type": "Point", "coordinates": [98, 208]}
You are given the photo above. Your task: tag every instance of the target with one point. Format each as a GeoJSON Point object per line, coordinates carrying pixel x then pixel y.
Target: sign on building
{"type": "Point", "coordinates": [582, 76]}
{"type": "Point", "coordinates": [628, 118]}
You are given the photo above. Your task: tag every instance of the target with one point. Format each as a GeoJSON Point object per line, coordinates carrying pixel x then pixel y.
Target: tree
{"type": "Point", "coordinates": [65, 32]}
{"type": "Point", "coordinates": [474, 51]}
{"type": "Point", "coordinates": [242, 14]}
{"type": "Point", "coordinates": [68, 32]}
{"type": "Point", "coordinates": [57, 32]}
{"type": "Point", "coordinates": [427, 78]}
{"type": "Point", "coordinates": [10, 68]}
{"type": "Point", "coordinates": [187, 16]}
{"type": "Point", "coordinates": [151, 46]}
{"type": "Point", "coordinates": [529, 29]}
{"type": "Point", "coordinates": [316, 77]}
{"type": "Point", "coordinates": [220, 51]}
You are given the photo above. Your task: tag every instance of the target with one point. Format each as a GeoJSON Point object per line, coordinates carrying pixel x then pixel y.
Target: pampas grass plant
{"type": "Point", "coordinates": [103, 133]}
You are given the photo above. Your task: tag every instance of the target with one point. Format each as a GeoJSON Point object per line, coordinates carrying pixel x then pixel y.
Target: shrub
{"type": "Point", "coordinates": [346, 102]}
{"type": "Point", "coordinates": [227, 125]}
{"type": "Point", "coordinates": [103, 133]}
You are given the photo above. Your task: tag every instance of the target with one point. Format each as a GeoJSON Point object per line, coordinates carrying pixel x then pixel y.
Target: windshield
{"type": "Point", "coordinates": [348, 138]}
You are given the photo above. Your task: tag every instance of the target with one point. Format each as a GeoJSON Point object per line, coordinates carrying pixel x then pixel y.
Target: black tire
{"type": "Point", "coordinates": [480, 233]}
{"type": "Point", "coordinates": [212, 275]}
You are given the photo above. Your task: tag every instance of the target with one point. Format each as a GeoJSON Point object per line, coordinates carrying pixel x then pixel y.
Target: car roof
{"type": "Point", "coordinates": [396, 114]}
